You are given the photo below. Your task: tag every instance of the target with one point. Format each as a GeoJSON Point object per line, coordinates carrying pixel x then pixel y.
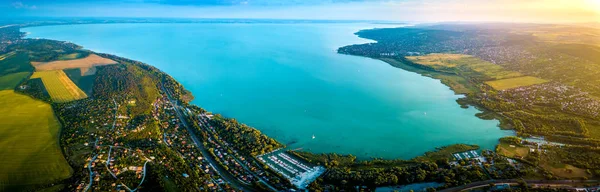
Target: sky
{"type": "Point", "coordinates": [532, 11]}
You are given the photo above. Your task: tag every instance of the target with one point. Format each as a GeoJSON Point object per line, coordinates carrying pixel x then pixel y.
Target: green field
{"type": "Point", "coordinates": [85, 83]}
{"type": "Point", "coordinates": [565, 170]}
{"type": "Point", "coordinates": [59, 86]}
{"type": "Point", "coordinates": [10, 81]}
{"type": "Point", "coordinates": [512, 151]}
{"type": "Point", "coordinates": [70, 56]}
{"type": "Point", "coordinates": [29, 141]}
{"type": "Point", "coordinates": [515, 82]}
{"type": "Point", "coordinates": [458, 84]}
{"type": "Point", "coordinates": [465, 65]}
{"type": "Point", "coordinates": [14, 63]}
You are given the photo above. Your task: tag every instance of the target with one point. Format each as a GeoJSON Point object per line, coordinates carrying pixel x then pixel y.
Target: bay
{"type": "Point", "coordinates": [288, 81]}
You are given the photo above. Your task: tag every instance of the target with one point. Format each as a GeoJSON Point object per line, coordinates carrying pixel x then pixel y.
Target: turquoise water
{"type": "Point", "coordinates": [288, 81]}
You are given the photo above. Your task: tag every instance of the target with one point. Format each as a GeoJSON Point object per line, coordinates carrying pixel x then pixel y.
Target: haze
{"type": "Point", "coordinates": [542, 11]}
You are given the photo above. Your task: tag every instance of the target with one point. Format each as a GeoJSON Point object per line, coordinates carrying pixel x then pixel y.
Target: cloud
{"type": "Point", "coordinates": [21, 5]}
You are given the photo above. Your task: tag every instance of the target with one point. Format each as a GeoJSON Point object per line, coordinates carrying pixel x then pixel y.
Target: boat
{"type": "Point", "coordinates": [313, 136]}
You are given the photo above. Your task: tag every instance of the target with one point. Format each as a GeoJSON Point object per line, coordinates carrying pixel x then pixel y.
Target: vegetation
{"type": "Point", "coordinates": [243, 137]}
{"type": "Point", "coordinates": [512, 147]}
{"type": "Point", "coordinates": [43, 50]}
{"type": "Point", "coordinates": [59, 86]}
{"type": "Point", "coordinates": [536, 79]}
{"type": "Point", "coordinates": [76, 55]}
{"type": "Point", "coordinates": [10, 81]}
{"type": "Point", "coordinates": [464, 65]}
{"type": "Point", "coordinates": [515, 75]}
{"type": "Point", "coordinates": [445, 153]}
{"type": "Point", "coordinates": [567, 105]}
{"type": "Point", "coordinates": [15, 63]}
{"type": "Point", "coordinates": [511, 83]}
{"type": "Point", "coordinates": [30, 152]}
{"type": "Point", "coordinates": [35, 88]}
{"type": "Point", "coordinates": [84, 82]}
{"type": "Point", "coordinates": [127, 82]}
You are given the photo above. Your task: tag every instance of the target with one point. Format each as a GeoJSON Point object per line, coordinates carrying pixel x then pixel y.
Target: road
{"type": "Point", "coordinates": [91, 173]}
{"type": "Point", "coordinates": [108, 161]}
{"type": "Point", "coordinates": [116, 112]}
{"type": "Point", "coordinates": [213, 163]}
{"type": "Point", "coordinates": [480, 184]}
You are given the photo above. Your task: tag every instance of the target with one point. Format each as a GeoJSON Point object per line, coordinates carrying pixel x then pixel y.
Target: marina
{"type": "Point", "coordinates": [298, 173]}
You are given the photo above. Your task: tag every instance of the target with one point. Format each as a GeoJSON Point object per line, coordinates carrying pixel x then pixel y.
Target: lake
{"type": "Point", "coordinates": [288, 81]}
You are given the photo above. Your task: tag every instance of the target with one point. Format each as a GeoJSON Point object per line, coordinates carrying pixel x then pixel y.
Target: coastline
{"type": "Point", "coordinates": [340, 168]}
{"type": "Point", "coordinates": [464, 102]}
{"type": "Point", "coordinates": [188, 102]}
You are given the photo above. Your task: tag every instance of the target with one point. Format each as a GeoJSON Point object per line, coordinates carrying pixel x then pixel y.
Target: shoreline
{"type": "Point", "coordinates": [190, 102]}
{"type": "Point", "coordinates": [465, 102]}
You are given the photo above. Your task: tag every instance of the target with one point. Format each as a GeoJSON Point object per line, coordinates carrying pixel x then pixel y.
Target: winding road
{"type": "Point", "coordinates": [91, 173]}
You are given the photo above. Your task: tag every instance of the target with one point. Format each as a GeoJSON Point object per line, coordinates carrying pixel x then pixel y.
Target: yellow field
{"type": "Point", "coordinates": [437, 59]}
{"type": "Point", "coordinates": [88, 62]}
{"type": "Point", "coordinates": [59, 86]}
{"type": "Point", "coordinates": [515, 82]}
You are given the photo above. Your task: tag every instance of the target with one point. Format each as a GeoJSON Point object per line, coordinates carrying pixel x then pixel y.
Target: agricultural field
{"type": "Point", "coordinates": [15, 63]}
{"type": "Point", "coordinates": [59, 86]}
{"type": "Point", "coordinates": [439, 59]}
{"type": "Point", "coordinates": [84, 81]}
{"type": "Point", "coordinates": [10, 81]}
{"type": "Point", "coordinates": [30, 152]}
{"type": "Point", "coordinates": [90, 61]}
{"type": "Point", "coordinates": [464, 64]}
{"type": "Point", "coordinates": [515, 82]}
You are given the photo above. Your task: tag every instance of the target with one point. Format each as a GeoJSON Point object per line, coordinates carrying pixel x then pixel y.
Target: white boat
{"type": "Point", "coordinates": [313, 136]}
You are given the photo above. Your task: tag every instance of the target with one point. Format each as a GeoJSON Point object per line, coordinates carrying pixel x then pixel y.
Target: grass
{"type": "Point", "coordinates": [593, 130]}
{"type": "Point", "coordinates": [445, 152]}
{"type": "Point", "coordinates": [565, 170]}
{"type": "Point", "coordinates": [84, 82]}
{"type": "Point", "coordinates": [438, 59]}
{"type": "Point", "coordinates": [71, 56]}
{"type": "Point", "coordinates": [515, 82]}
{"type": "Point", "coordinates": [170, 186]}
{"type": "Point", "coordinates": [465, 65]}
{"type": "Point", "coordinates": [10, 81]}
{"type": "Point", "coordinates": [59, 86]}
{"type": "Point", "coordinates": [457, 83]}
{"type": "Point", "coordinates": [30, 152]}
{"type": "Point", "coordinates": [15, 63]}
{"type": "Point", "coordinates": [512, 151]}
